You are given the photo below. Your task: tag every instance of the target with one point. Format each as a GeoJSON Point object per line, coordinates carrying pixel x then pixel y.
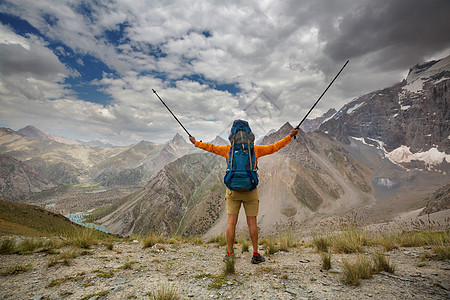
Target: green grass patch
{"type": "Point", "coordinates": [109, 274]}
{"type": "Point", "coordinates": [29, 220]}
{"type": "Point", "coordinates": [56, 282]}
{"type": "Point", "coordinates": [218, 282]}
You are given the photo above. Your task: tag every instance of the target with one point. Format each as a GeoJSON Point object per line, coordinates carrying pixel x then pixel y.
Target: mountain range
{"type": "Point", "coordinates": [63, 162]}
{"type": "Point", "coordinates": [382, 154]}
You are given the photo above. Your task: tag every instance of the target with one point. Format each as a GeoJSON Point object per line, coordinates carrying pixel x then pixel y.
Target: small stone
{"type": "Point", "coordinates": [191, 295]}
{"type": "Point", "coordinates": [291, 291]}
{"type": "Point", "coordinates": [369, 295]}
{"type": "Point", "coordinates": [334, 270]}
{"type": "Point", "coordinates": [322, 283]}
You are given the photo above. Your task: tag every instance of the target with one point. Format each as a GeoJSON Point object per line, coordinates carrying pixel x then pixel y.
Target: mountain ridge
{"type": "Point", "coordinates": [413, 114]}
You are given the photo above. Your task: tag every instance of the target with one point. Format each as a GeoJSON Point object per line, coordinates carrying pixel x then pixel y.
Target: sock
{"type": "Point", "coordinates": [255, 254]}
{"type": "Point", "coordinates": [229, 253]}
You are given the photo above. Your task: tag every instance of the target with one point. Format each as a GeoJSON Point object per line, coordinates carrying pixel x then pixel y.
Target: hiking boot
{"type": "Point", "coordinates": [258, 259]}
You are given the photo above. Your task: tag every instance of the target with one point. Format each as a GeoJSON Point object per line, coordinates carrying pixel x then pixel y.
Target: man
{"type": "Point", "coordinates": [250, 199]}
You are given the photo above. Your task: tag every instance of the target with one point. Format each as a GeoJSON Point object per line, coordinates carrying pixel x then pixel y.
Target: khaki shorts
{"type": "Point", "coordinates": [250, 200]}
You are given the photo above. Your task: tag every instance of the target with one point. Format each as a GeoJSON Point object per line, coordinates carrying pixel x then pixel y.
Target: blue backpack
{"type": "Point", "coordinates": [241, 172]}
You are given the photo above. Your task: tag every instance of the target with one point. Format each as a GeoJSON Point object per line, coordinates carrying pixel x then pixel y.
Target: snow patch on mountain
{"type": "Point", "coordinates": [384, 182]}
{"type": "Point", "coordinates": [431, 157]}
{"type": "Point", "coordinates": [352, 109]}
{"type": "Point", "coordinates": [403, 153]}
{"type": "Point", "coordinates": [375, 143]}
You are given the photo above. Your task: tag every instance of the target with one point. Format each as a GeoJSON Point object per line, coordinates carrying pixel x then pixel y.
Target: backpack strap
{"type": "Point", "coordinates": [250, 156]}
{"type": "Point", "coordinates": [230, 157]}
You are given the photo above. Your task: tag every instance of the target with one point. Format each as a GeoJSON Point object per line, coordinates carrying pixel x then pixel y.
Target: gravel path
{"type": "Point", "coordinates": [130, 272]}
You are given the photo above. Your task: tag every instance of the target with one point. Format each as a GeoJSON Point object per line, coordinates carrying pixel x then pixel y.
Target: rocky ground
{"type": "Point", "coordinates": [128, 271]}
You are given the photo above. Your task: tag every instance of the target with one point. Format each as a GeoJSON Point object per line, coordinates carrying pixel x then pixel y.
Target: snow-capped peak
{"type": "Point", "coordinates": [420, 74]}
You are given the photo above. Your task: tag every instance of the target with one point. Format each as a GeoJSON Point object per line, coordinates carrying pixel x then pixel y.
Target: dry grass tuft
{"type": "Point", "coordinates": [381, 263]}
{"type": "Point", "coordinates": [286, 240]}
{"type": "Point", "coordinates": [152, 239]}
{"type": "Point", "coordinates": [220, 240]}
{"type": "Point", "coordinates": [321, 243]}
{"type": "Point", "coordinates": [350, 240]}
{"type": "Point", "coordinates": [16, 269]}
{"type": "Point", "coordinates": [353, 272]}
{"type": "Point", "coordinates": [326, 260]}
{"type": "Point", "coordinates": [164, 292]}
{"type": "Point", "coordinates": [83, 237]}
{"type": "Point", "coordinates": [245, 244]}
{"type": "Point", "coordinates": [229, 267]}
{"type": "Point", "coordinates": [196, 240]}
{"type": "Point", "coordinates": [7, 246]}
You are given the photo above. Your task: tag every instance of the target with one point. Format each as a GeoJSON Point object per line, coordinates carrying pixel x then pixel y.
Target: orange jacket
{"type": "Point", "coordinates": [260, 150]}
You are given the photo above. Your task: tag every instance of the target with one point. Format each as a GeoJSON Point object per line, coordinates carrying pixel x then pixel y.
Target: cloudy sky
{"type": "Point", "coordinates": [86, 69]}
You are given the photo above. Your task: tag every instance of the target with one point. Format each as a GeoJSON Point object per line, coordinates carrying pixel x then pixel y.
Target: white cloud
{"type": "Point", "coordinates": [8, 37]}
{"type": "Point", "coordinates": [289, 49]}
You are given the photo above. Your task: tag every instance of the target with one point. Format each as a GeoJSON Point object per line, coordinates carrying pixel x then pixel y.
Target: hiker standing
{"type": "Point", "coordinates": [241, 186]}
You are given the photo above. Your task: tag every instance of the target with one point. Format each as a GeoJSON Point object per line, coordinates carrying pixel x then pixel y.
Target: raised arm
{"type": "Point", "coordinates": [221, 150]}
{"type": "Point", "coordinates": [261, 150]}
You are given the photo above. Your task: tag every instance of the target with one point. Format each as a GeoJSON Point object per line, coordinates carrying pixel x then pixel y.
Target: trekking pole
{"type": "Point", "coordinates": [298, 126]}
{"type": "Point", "coordinates": [171, 112]}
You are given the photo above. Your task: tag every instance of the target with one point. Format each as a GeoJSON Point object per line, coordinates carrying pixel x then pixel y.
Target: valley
{"type": "Point", "coordinates": [382, 155]}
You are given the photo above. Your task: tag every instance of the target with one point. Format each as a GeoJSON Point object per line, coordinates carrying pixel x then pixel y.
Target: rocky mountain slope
{"type": "Point", "coordinates": [440, 200]}
{"type": "Point", "coordinates": [18, 179]}
{"type": "Point", "coordinates": [312, 124]}
{"type": "Point", "coordinates": [410, 120]}
{"type": "Point", "coordinates": [184, 198]}
{"type": "Point", "coordinates": [402, 134]}
{"type": "Point", "coordinates": [136, 165]}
